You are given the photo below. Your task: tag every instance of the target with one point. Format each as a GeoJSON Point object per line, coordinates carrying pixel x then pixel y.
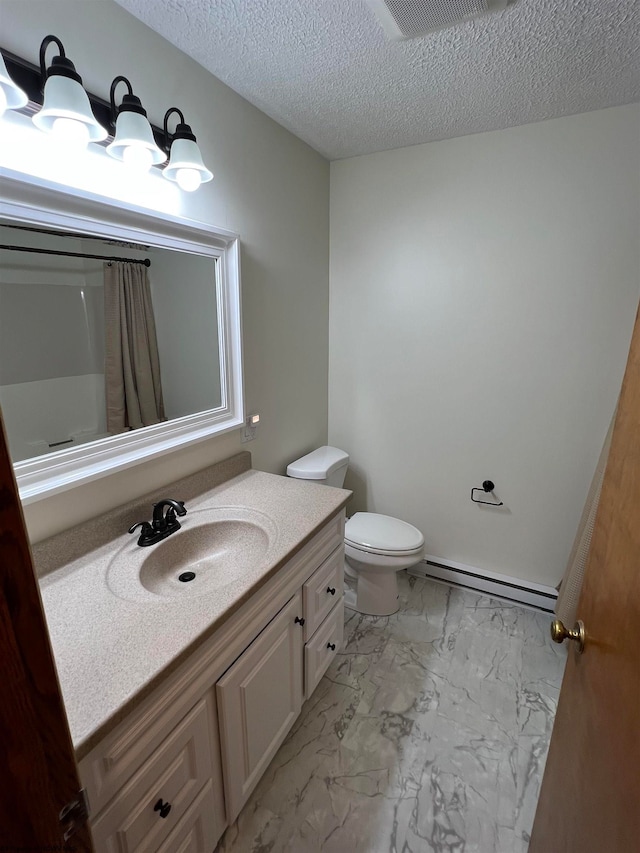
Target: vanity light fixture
{"type": "Point", "coordinates": [54, 98]}
{"type": "Point", "coordinates": [134, 143]}
{"type": "Point", "coordinates": [12, 97]}
{"type": "Point", "coordinates": [66, 111]}
{"type": "Point", "coordinates": [185, 166]}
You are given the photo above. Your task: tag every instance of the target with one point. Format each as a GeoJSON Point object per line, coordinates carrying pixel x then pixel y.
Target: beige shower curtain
{"type": "Point", "coordinates": [571, 584]}
{"type": "Point", "coordinates": [132, 363]}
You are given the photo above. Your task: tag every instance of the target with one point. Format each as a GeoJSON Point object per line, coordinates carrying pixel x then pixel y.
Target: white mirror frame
{"type": "Point", "coordinates": [34, 201]}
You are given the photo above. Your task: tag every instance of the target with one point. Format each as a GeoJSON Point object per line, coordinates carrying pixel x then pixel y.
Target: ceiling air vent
{"type": "Point", "coordinates": [408, 19]}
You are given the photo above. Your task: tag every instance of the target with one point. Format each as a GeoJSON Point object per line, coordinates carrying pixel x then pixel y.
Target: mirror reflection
{"type": "Point", "coordinates": [99, 337]}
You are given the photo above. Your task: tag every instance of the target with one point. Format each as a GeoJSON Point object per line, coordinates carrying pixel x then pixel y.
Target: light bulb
{"type": "Point", "coordinates": [188, 179]}
{"type": "Point", "coordinates": [3, 101]}
{"type": "Point", "coordinates": [138, 157]}
{"type": "Point", "coordinates": [71, 131]}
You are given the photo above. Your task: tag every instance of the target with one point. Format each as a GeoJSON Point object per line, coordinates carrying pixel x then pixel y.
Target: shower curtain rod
{"type": "Point", "coordinates": [145, 261]}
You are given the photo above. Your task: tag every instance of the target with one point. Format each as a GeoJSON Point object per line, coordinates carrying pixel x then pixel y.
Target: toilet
{"type": "Point", "coordinates": [376, 546]}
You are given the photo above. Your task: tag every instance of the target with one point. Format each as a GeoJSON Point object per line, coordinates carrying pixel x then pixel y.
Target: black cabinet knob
{"type": "Point", "coordinates": [299, 620]}
{"type": "Point", "coordinates": [331, 646]}
{"type": "Point", "coordinates": [331, 590]}
{"type": "Point", "coordinates": [163, 808]}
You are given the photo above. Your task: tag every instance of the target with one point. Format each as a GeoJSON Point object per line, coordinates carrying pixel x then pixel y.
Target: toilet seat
{"type": "Point", "coordinates": [383, 553]}
{"type": "Point", "coordinates": [374, 533]}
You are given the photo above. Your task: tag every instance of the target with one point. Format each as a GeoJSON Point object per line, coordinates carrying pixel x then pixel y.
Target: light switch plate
{"type": "Point", "coordinates": [249, 429]}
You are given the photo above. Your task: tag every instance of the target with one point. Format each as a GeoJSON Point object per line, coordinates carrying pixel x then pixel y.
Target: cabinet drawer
{"type": "Point", "coordinates": [175, 773]}
{"type": "Point", "coordinates": [198, 829]}
{"type": "Point", "coordinates": [322, 590]}
{"type": "Point", "coordinates": [318, 653]}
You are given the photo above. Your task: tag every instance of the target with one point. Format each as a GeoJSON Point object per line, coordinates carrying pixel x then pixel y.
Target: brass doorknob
{"type": "Point", "coordinates": [559, 633]}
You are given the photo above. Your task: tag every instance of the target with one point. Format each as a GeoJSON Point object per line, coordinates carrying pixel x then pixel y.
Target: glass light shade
{"type": "Point", "coordinates": [71, 131]}
{"type": "Point", "coordinates": [65, 98]}
{"type": "Point", "coordinates": [134, 142]}
{"type": "Point", "coordinates": [11, 96]}
{"type": "Point", "coordinates": [138, 158]}
{"type": "Point", "coordinates": [186, 158]}
{"type": "Point", "coordinates": [188, 179]}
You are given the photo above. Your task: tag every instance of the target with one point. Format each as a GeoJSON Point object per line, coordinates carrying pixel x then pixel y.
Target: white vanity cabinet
{"type": "Point", "coordinates": [178, 769]}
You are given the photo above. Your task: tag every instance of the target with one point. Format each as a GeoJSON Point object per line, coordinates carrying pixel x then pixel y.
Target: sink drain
{"type": "Point", "coordinates": [185, 577]}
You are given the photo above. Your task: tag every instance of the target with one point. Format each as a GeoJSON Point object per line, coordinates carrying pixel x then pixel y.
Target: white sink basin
{"type": "Point", "coordinates": [215, 548]}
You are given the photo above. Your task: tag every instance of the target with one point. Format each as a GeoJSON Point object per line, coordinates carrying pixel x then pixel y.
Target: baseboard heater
{"type": "Point", "coordinates": [506, 588]}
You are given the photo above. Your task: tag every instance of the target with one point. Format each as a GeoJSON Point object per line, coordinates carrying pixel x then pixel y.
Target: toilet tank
{"type": "Point", "coordinates": [327, 465]}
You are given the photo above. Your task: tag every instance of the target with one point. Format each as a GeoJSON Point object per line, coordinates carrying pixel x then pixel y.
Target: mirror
{"type": "Point", "coordinates": [105, 363]}
{"type": "Point", "coordinates": [53, 328]}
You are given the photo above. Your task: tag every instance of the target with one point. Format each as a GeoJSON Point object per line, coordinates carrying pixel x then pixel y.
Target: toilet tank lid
{"type": "Point", "coordinates": [318, 464]}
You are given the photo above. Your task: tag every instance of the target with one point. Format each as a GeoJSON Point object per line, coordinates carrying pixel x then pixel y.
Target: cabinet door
{"type": "Point", "coordinates": [259, 698]}
{"type": "Point", "coordinates": [198, 830]}
{"type": "Point", "coordinates": [134, 821]}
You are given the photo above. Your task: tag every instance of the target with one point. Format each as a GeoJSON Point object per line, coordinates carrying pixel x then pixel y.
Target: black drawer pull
{"type": "Point", "coordinates": [163, 808]}
{"type": "Point", "coordinates": [331, 646]}
{"type": "Point", "coordinates": [331, 590]}
{"type": "Point", "coordinates": [299, 620]}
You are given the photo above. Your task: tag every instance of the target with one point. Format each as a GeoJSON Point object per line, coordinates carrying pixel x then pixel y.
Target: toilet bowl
{"type": "Point", "coordinates": [376, 546]}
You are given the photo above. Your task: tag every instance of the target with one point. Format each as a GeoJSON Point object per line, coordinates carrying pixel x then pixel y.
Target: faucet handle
{"type": "Point", "coordinates": [177, 507]}
{"type": "Point", "coordinates": [146, 534]}
{"type": "Point", "coordinates": [171, 519]}
{"type": "Point", "coordinates": [162, 522]}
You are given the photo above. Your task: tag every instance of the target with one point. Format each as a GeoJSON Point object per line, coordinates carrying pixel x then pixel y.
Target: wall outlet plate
{"type": "Point", "coordinates": [247, 434]}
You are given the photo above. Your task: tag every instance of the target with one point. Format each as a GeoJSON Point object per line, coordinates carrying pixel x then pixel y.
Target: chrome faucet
{"type": "Point", "coordinates": [162, 525]}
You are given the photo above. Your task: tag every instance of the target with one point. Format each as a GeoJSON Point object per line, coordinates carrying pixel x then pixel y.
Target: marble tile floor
{"type": "Point", "coordinates": [428, 733]}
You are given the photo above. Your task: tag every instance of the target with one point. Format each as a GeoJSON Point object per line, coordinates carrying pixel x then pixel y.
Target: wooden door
{"type": "Point", "coordinates": [259, 699]}
{"type": "Point", "coordinates": [38, 775]}
{"type": "Point", "coordinates": [590, 796]}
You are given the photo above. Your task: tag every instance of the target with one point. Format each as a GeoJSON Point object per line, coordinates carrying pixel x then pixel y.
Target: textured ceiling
{"type": "Point", "coordinates": [325, 70]}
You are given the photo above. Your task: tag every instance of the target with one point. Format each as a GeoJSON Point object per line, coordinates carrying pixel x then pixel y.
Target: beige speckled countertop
{"type": "Point", "coordinates": [112, 648]}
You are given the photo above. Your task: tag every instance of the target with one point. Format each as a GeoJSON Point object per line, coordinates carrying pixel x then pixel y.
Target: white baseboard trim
{"type": "Point", "coordinates": [506, 588]}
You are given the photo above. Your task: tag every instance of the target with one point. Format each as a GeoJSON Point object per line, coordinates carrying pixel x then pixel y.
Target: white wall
{"type": "Point", "coordinates": [483, 292]}
{"type": "Point", "coordinates": [268, 186]}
